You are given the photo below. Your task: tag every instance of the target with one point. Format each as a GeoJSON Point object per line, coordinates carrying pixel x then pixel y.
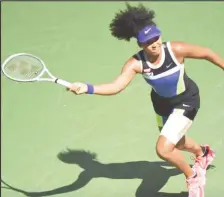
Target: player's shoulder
{"type": "Point", "coordinates": [177, 45]}
{"type": "Point", "coordinates": [134, 62]}
{"type": "Point", "coordinates": [138, 55]}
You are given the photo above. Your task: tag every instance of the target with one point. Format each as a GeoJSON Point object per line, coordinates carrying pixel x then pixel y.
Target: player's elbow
{"type": "Point", "coordinates": [203, 53]}
{"type": "Point", "coordinates": [117, 89]}
{"type": "Point", "coordinates": [209, 54]}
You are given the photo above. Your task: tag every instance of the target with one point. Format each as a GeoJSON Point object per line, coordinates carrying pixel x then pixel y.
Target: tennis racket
{"type": "Point", "coordinates": [24, 67]}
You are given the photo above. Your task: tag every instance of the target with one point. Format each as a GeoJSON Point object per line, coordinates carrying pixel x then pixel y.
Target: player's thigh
{"type": "Point", "coordinates": [177, 124]}
{"type": "Point", "coordinates": [161, 121]}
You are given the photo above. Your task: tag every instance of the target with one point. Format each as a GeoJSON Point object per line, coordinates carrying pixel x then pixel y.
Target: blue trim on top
{"type": "Point", "coordinates": [165, 86]}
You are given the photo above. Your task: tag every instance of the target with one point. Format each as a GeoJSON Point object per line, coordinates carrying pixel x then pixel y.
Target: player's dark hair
{"type": "Point", "coordinates": [128, 22]}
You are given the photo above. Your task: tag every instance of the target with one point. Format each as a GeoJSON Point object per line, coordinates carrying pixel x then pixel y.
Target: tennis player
{"type": "Point", "coordinates": [174, 95]}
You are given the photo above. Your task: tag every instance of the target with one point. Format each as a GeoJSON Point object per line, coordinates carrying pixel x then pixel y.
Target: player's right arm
{"type": "Point", "coordinates": [129, 70]}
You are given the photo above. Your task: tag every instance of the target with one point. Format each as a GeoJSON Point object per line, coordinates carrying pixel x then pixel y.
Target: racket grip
{"type": "Point", "coordinates": [63, 82]}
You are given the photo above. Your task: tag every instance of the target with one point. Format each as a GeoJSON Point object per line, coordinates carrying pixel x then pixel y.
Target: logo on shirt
{"type": "Point", "coordinates": [167, 66]}
{"type": "Point", "coordinates": [148, 71]}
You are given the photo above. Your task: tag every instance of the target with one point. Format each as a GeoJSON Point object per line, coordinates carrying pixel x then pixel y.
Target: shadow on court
{"type": "Point", "coordinates": [154, 175]}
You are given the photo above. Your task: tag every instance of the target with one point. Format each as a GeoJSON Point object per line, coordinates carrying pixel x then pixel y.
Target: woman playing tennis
{"type": "Point", "coordinates": [174, 95]}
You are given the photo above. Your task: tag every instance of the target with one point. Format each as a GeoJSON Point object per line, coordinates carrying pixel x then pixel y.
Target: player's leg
{"type": "Point", "coordinates": [174, 129]}
{"type": "Point", "coordinates": [202, 158]}
{"type": "Point", "coordinates": [185, 143]}
{"type": "Point", "coordinates": [203, 154]}
{"type": "Point", "coordinates": [188, 144]}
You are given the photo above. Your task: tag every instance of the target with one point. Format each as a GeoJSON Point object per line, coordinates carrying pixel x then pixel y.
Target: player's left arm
{"type": "Point", "coordinates": [187, 50]}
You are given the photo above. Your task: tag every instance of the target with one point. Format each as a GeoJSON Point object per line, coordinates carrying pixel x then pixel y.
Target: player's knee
{"type": "Point", "coordinates": [163, 153]}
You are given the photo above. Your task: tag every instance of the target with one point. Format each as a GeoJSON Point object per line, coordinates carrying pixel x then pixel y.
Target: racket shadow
{"type": "Point", "coordinates": [154, 175]}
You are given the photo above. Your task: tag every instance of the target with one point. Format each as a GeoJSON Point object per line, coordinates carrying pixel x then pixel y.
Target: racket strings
{"type": "Point", "coordinates": [23, 68]}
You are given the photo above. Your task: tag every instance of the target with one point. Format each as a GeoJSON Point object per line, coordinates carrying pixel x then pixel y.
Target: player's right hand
{"type": "Point", "coordinates": [78, 88]}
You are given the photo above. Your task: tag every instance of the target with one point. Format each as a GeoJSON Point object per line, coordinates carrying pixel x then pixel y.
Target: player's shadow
{"type": "Point", "coordinates": [154, 175]}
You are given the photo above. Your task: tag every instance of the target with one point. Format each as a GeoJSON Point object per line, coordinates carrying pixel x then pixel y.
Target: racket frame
{"type": "Point", "coordinates": [38, 77]}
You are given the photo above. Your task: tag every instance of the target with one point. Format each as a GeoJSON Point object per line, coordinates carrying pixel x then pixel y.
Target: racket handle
{"type": "Point", "coordinates": [63, 82]}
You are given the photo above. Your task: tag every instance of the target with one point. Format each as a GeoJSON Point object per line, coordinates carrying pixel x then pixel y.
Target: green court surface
{"type": "Point", "coordinates": [41, 120]}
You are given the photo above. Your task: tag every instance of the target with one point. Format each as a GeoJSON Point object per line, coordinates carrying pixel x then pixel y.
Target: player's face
{"type": "Point", "coordinates": [153, 46]}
